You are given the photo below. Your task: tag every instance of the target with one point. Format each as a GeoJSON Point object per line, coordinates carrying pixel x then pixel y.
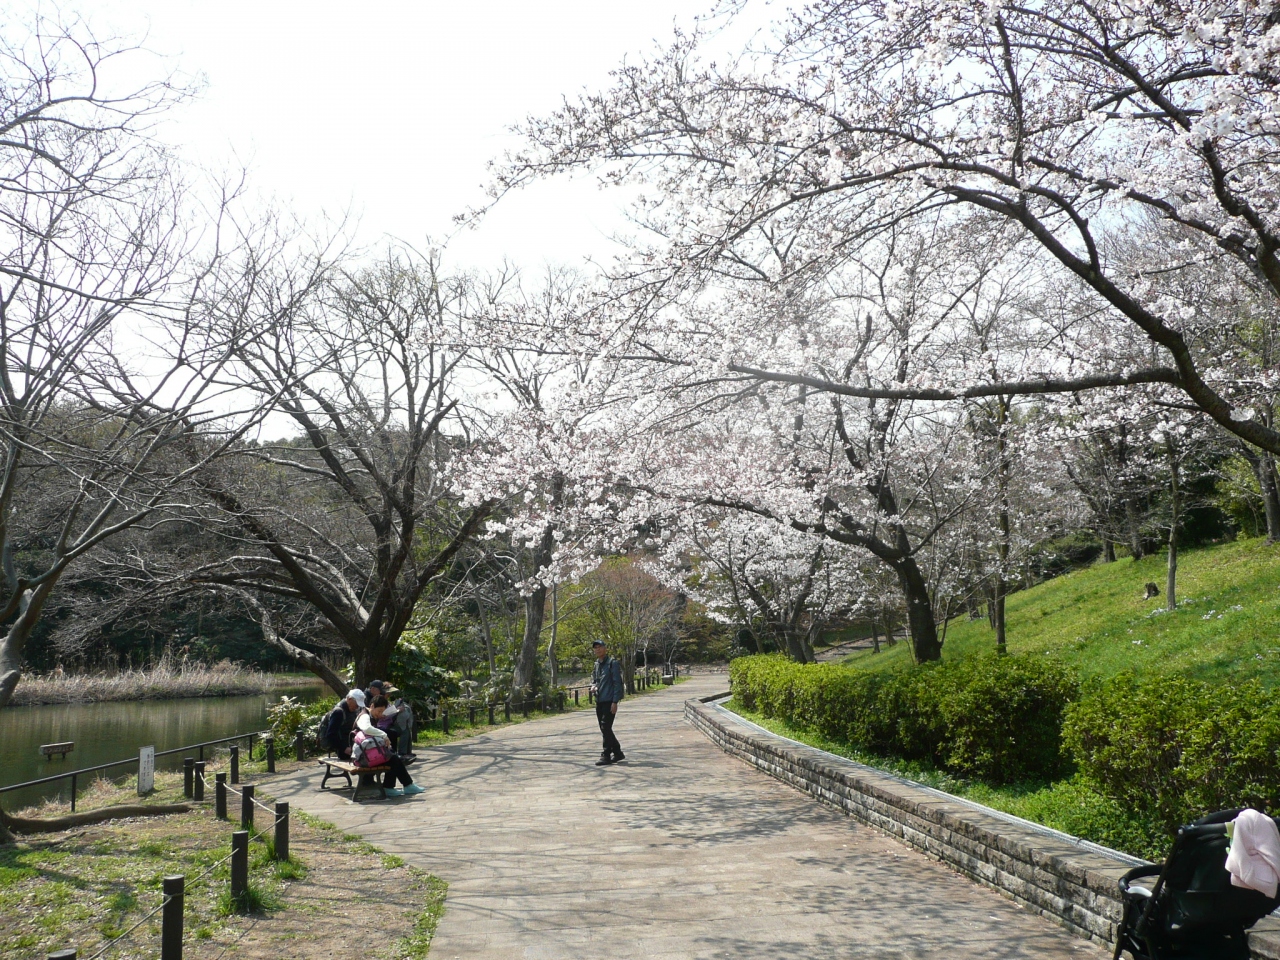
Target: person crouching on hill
{"type": "Point", "coordinates": [372, 748]}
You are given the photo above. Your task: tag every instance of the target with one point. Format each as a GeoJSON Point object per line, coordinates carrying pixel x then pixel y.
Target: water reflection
{"type": "Point", "coordinates": [114, 731]}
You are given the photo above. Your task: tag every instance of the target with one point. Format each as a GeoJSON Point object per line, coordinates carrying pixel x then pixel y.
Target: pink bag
{"type": "Point", "coordinates": [370, 750]}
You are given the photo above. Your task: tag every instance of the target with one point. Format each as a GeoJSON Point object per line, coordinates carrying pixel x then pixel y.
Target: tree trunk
{"type": "Point", "coordinates": [1002, 551]}
{"type": "Point", "coordinates": [525, 675]}
{"type": "Point", "coordinates": [14, 642]}
{"type": "Point", "coordinates": [485, 630]}
{"type": "Point", "coordinates": [875, 636]}
{"type": "Point", "coordinates": [629, 667]}
{"type": "Point", "coordinates": [924, 632]}
{"type": "Point", "coordinates": [1001, 646]}
{"type": "Point", "coordinates": [1134, 529]}
{"type": "Point", "coordinates": [1270, 486]}
{"type": "Point", "coordinates": [1108, 550]}
{"type": "Point", "coordinates": [9, 825]}
{"type": "Point", "coordinates": [552, 664]}
{"type": "Point", "coordinates": [1175, 520]}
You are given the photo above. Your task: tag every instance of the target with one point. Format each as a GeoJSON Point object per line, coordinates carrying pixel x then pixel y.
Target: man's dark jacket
{"type": "Point", "coordinates": [337, 732]}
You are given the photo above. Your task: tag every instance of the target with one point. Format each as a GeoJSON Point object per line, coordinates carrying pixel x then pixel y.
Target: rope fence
{"type": "Point", "coordinates": [175, 888]}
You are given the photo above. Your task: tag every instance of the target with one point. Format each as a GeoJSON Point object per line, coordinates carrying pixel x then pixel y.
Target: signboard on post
{"type": "Point", "coordinates": [146, 770]}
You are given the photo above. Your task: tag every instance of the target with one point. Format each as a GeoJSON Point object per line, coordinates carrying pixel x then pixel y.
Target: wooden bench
{"type": "Point", "coordinates": [335, 768]}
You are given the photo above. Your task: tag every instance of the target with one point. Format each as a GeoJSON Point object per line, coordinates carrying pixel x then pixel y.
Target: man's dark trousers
{"type": "Point", "coordinates": [604, 715]}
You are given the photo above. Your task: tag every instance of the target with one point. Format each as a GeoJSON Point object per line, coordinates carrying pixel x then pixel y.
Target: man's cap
{"type": "Point", "coordinates": [597, 643]}
{"type": "Point", "coordinates": [376, 683]}
{"type": "Point", "coordinates": [357, 696]}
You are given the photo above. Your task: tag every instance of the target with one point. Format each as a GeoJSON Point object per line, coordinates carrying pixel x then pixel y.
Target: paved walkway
{"type": "Point", "coordinates": [680, 852]}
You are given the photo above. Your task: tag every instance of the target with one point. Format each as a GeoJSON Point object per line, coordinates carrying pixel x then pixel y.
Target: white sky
{"type": "Point", "coordinates": [390, 110]}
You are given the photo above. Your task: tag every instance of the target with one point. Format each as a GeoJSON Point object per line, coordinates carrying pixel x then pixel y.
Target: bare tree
{"type": "Point", "coordinates": [353, 515]}
{"type": "Point", "coordinates": [91, 236]}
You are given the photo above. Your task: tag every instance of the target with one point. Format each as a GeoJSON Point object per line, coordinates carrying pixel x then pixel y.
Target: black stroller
{"type": "Point", "coordinates": [1192, 912]}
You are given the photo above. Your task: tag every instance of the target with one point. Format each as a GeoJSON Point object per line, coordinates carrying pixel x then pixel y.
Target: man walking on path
{"type": "Point", "coordinates": [606, 677]}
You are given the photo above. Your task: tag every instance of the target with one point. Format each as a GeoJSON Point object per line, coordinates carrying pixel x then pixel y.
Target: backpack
{"type": "Point", "coordinates": [368, 751]}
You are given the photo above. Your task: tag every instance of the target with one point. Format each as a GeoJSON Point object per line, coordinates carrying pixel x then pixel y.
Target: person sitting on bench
{"type": "Point", "coordinates": [375, 745]}
{"type": "Point", "coordinates": [342, 720]}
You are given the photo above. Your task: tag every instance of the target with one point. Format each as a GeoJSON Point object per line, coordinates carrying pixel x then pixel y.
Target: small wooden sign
{"type": "Point", "coordinates": [50, 750]}
{"type": "Point", "coordinates": [146, 770]}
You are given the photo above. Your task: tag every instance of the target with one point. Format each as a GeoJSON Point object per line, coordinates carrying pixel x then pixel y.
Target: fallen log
{"type": "Point", "coordinates": [28, 825]}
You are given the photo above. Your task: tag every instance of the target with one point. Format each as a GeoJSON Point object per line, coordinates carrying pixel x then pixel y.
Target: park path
{"type": "Point", "coordinates": [680, 852]}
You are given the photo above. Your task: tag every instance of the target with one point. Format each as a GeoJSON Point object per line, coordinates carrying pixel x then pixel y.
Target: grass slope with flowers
{"type": "Point", "coordinates": [1173, 713]}
{"type": "Point", "coordinates": [1226, 627]}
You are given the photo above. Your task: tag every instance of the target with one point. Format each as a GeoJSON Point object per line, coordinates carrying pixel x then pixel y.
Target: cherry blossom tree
{"type": "Point", "coordinates": [1059, 124]}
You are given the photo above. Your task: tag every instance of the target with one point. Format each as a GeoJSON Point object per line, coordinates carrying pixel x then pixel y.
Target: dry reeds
{"type": "Point", "coordinates": [167, 680]}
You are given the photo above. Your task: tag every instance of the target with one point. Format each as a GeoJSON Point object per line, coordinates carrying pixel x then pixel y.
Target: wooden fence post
{"type": "Point", "coordinates": [220, 796]}
{"type": "Point", "coordinates": [171, 918]}
{"type": "Point", "coordinates": [239, 867]}
{"type": "Point", "coordinates": [282, 830]}
{"type": "Point", "coordinates": [235, 763]}
{"type": "Point", "coordinates": [300, 746]}
{"type": "Point", "coordinates": [188, 777]}
{"type": "Point", "coordinates": [198, 785]}
{"type": "Point", "coordinates": [246, 807]}
{"type": "Point", "coordinates": [271, 753]}
{"type": "Point", "coordinates": [491, 714]}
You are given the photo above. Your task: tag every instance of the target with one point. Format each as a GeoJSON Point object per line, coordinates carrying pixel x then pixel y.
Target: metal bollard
{"type": "Point", "coordinates": [444, 721]}
{"type": "Point", "coordinates": [198, 786]}
{"type": "Point", "coordinates": [220, 796]}
{"type": "Point", "coordinates": [246, 807]}
{"type": "Point", "coordinates": [235, 763]}
{"type": "Point", "coordinates": [575, 697]}
{"type": "Point", "coordinates": [506, 715]}
{"type": "Point", "coordinates": [239, 866]}
{"type": "Point", "coordinates": [188, 777]}
{"type": "Point", "coordinates": [171, 919]}
{"type": "Point", "coordinates": [271, 753]}
{"type": "Point", "coordinates": [282, 830]}
{"type": "Point", "coordinates": [300, 746]}
{"type": "Point", "coordinates": [491, 714]}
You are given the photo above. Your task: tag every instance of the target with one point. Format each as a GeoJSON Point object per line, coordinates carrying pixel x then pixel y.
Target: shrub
{"type": "Point", "coordinates": [289, 714]}
{"type": "Point", "coordinates": [1175, 749]}
{"type": "Point", "coordinates": [998, 718]}
{"type": "Point", "coordinates": [418, 678]}
{"type": "Point", "coordinates": [995, 718]}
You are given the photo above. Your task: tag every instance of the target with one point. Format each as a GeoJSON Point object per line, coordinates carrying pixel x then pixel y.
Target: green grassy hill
{"type": "Point", "coordinates": [1227, 625]}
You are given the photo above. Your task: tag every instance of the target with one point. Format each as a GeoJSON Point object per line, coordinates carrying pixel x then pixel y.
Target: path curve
{"type": "Point", "coordinates": [680, 852]}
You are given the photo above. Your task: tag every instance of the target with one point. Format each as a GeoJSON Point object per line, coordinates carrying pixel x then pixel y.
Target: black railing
{"type": "Point", "coordinates": [74, 775]}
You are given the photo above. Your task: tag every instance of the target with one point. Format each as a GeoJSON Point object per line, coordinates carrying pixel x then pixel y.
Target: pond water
{"type": "Point", "coordinates": [104, 732]}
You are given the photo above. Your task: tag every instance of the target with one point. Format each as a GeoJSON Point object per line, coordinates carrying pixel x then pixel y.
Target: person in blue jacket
{"type": "Point", "coordinates": [606, 680]}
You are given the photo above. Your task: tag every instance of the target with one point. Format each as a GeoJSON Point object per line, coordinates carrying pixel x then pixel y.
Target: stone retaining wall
{"type": "Point", "coordinates": [1072, 883]}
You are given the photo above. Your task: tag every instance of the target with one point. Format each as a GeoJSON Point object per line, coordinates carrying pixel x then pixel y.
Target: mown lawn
{"type": "Point", "coordinates": [1226, 627]}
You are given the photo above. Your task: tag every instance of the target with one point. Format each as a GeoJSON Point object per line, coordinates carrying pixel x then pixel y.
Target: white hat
{"type": "Point", "coordinates": [357, 696]}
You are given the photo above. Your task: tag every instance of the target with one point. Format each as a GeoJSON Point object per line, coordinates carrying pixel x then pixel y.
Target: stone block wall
{"type": "Point", "coordinates": [1067, 880]}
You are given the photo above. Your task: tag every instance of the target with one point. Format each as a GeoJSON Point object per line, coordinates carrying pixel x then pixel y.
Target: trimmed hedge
{"type": "Point", "coordinates": [997, 719]}
{"type": "Point", "coordinates": [1175, 749]}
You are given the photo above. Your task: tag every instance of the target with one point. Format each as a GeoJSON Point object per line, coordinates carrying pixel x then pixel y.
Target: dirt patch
{"type": "Point", "coordinates": [82, 888]}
